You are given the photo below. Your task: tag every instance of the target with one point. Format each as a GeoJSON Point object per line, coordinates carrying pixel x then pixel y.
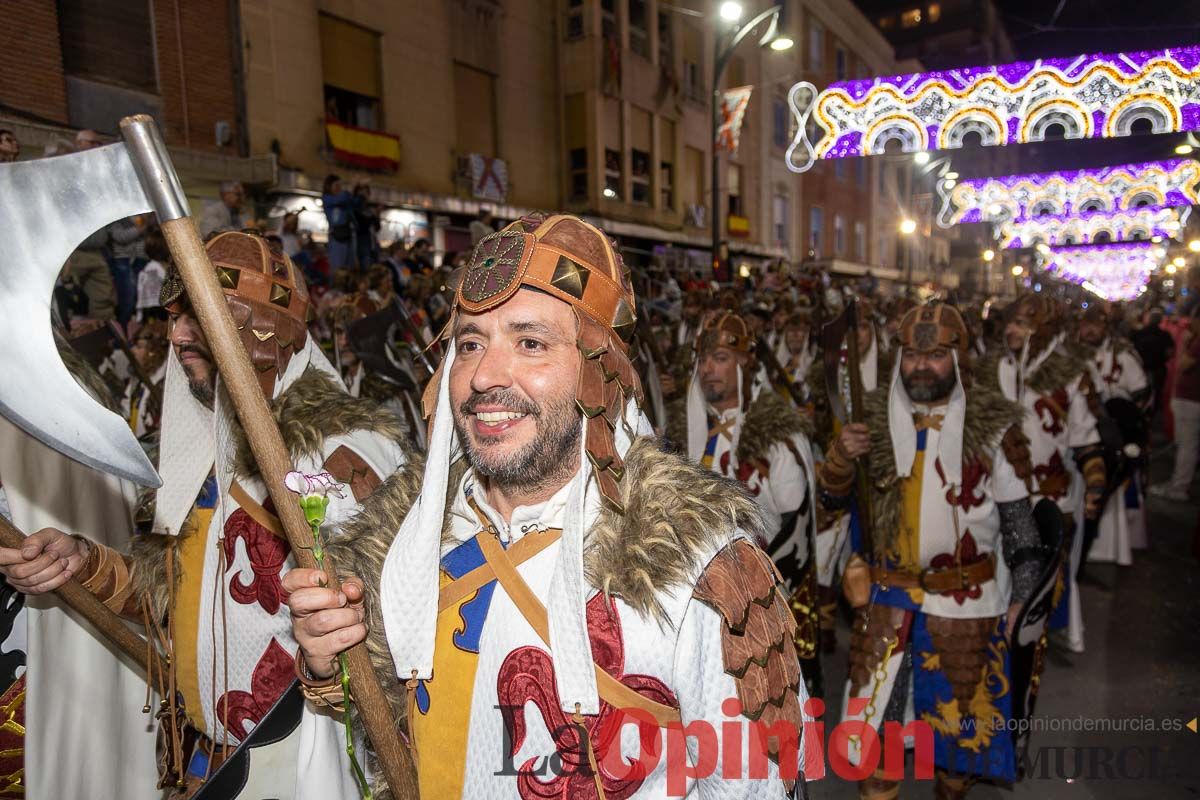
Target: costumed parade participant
{"type": "Point", "coordinates": [72, 706]}
{"type": "Point", "coordinates": [143, 392]}
{"type": "Point", "coordinates": [833, 524]}
{"type": "Point", "coordinates": [1056, 390]}
{"type": "Point", "coordinates": [950, 554]}
{"type": "Point", "coordinates": [740, 428]}
{"type": "Point", "coordinates": [795, 350]}
{"type": "Point", "coordinates": [1125, 390]}
{"type": "Point", "coordinates": [557, 565]}
{"type": "Point", "coordinates": [206, 583]}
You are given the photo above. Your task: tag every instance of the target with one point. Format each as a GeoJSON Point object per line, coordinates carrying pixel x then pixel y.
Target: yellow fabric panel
{"type": "Point", "coordinates": [350, 56]}
{"type": "Point", "coordinates": [186, 613]}
{"type": "Point", "coordinates": [908, 544]}
{"type": "Point", "coordinates": [440, 735]}
{"type": "Point", "coordinates": [363, 143]}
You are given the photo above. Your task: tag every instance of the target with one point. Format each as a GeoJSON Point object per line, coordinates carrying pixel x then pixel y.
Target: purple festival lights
{"type": "Point", "coordinates": [1086, 96]}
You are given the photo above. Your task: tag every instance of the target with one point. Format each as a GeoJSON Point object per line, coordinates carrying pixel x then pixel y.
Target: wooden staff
{"type": "Point", "coordinates": [262, 432]}
{"type": "Point", "coordinates": [88, 606]}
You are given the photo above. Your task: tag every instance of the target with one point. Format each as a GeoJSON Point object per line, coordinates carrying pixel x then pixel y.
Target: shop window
{"type": "Point", "coordinates": [350, 65]}
{"type": "Point", "coordinates": [933, 12]}
{"type": "Point", "coordinates": [639, 40]}
{"type": "Point", "coordinates": [577, 164]}
{"type": "Point", "coordinates": [839, 235]}
{"type": "Point", "coordinates": [910, 18]}
{"type": "Point", "coordinates": [736, 206]}
{"type": "Point", "coordinates": [816, 230]}
{"type": "Point", "coordinates": [781, 214]}
{"type": "Point", "coordinates": [860, 242]}
{"type": "Point", "coordinates": [475, 110]}
{"type": "Point", "coordinates": [612, 174]}
{"type": "Point", "coordinates": [574, 20]}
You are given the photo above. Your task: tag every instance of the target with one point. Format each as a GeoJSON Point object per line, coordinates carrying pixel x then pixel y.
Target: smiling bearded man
{"type": "Point", "coordinates": [558, 568]}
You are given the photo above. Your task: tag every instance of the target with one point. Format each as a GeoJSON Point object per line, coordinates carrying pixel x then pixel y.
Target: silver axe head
{"type": "Point", "coordinates": [47, 207]}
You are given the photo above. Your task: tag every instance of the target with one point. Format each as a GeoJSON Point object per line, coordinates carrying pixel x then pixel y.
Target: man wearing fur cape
{"type": "Point", "coordinates": [1055, 388]}
{"type": "Point", "coordinates": [834, 525]}
{"type": "Point", "coordinates": [561, 585]}
{"type": "Point", "coordinates": [207, 582]}
{"type": "Point", "coordinates": [1118, 373]}
{"type": "Point", "coordinates": [953, 556]}
{"type": "Point", "coordinates": [740, 428]}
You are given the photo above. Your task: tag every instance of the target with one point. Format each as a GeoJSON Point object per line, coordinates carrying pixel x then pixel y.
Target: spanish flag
{"type": "Point", "coordinates": [364, 148]}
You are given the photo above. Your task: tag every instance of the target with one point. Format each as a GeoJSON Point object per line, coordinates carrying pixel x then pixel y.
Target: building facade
{"type": "Point", "coordinates": [71, 64]}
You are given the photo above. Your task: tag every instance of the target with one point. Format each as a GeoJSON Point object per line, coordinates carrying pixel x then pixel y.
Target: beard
{"type": "Point", "coordinates": [926, 386]}
{"type": "Point", "coordinates": [201, 382]}
{"type": "Point", "coordinates": [550, 459]}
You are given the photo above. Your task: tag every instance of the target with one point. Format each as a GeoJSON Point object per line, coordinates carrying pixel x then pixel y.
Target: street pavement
{"type": "Point", "coordinates": [1136, 686]}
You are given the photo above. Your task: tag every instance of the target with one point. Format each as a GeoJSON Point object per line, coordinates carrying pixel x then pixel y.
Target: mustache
{"type": "Point", "coordinates": [924, 375]}
{"type": "Point", "coordinates": [192, 347]}
{"type": "Point", "coordinates": [500, 397]}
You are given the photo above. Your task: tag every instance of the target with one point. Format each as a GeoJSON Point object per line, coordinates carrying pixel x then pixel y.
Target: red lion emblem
{"type": "Point", "coordinates": [527, 676]}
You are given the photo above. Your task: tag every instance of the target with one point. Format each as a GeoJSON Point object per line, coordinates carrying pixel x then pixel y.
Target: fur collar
{"type": "Point", "coordinates": [989, 415]}
{"type": "Point", "coordinates": [1059, 369]}
{"type": "Point", "coordinates": [771, 419]}
{"type": "Point", "coordinates": [312, 409]}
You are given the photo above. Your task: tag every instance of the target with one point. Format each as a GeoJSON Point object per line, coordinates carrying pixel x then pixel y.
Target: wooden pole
{"type": "Point", "coordinates": [88, 606]}
{"type": "Point", "coordinates": [262, 432]}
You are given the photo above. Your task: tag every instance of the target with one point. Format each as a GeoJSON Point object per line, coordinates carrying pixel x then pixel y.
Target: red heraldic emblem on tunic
{"type": "Point", "coordinates": [266, 551]}
{"type": "Point", "coordinates": [272, 675]}
{"type": "Point", "coordinates": [527, 676]}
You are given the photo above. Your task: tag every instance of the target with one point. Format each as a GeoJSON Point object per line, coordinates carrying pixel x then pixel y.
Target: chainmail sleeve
{"type": "Point", "coordinates": [1022, 547]}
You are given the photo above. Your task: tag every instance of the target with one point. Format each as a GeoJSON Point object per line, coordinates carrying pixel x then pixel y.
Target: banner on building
{"type": "Point", "coordinates": [733, 111]}
{"type": "Point", "coordinates": [489, 178]}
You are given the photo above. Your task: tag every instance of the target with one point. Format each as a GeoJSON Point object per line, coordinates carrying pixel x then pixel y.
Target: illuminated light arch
{"type": "Point", "coordinates": [1100, 95]}
{"type": "Point", "coordinates": [1170, 183]}
{"type": "Point", "coordinates": [1117, 271]}
{"type": "Point", "coordinates": [1046, 207]}
{"type": "Point", "coordinates": [1093, 201]}
{"type": "Point", "coordinates": [1075, 121]}
{"type": "Point", "coordinates": [1143, 196]}
{"type": "Point", "coordinates": [983, 121]}
{"type": "Point", "coordinates": [1120, 225]}
{"type": "Point", "coordinates": [1162, 115]}
{"type": "Point", "coordinates": [897, 128]}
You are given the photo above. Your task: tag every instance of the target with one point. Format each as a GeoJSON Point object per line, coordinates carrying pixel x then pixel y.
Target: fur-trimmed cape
{"type": "Point", "coordinates": [770, 420]}
{"type": "Point", "coordinates": [676, 514]}
{"type": "Point", "coordinates": [308, 412]}
{"type": "Point", "coordinates": [1058, 370]}
{"type": "Point", "coordinates": [990, 418]}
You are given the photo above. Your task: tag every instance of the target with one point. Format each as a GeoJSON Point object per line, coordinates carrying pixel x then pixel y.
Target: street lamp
{"type": "Point", "coordinates": [1178, 261]}
{"type": "Point", "coordinates": [922, 158]}
{"type": "Point", "coordinates": [1194, 245]}
{"type": "Point", "coordinates": [988, 255]}
{"type": "Point", "coordinates": [1183, 150]}
{"type": "Point", "coordinates": [908, 227]}
{"type": "Point", "coordinates": [1018, 270]}
{"type": "Point", "coordinates": [724, 43]}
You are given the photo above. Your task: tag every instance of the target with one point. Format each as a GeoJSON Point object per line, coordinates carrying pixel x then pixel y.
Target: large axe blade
{"type": "Point", "coordinates": [47, 207]}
